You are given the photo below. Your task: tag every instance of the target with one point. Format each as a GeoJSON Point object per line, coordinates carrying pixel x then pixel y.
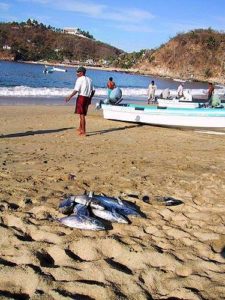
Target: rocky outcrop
{"type": "Point", "coordinates": [5, 55]}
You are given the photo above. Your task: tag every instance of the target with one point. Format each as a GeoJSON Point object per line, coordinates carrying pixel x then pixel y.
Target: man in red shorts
{"type": "Point", "coordinates": [84, 89]}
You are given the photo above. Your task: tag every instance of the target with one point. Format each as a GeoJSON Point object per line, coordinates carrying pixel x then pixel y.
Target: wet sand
{"type": "Point", "coordinates": [176, 252]}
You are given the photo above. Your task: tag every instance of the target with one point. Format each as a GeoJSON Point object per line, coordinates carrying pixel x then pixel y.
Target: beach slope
{"type": "Point", "coordinates": [175, 252]}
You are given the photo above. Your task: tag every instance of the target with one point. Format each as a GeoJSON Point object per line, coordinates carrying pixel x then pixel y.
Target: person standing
{"type": "Point", "coordinates": [84, 88]}
{"type": "Point", "coordinates": [180, 91]}
{"type": "Point", "coordinates": [151, 92]}
{"type": "Point", "coordinates": [110, 86]}
{"type": "Point", "coordinates": [210, 93]}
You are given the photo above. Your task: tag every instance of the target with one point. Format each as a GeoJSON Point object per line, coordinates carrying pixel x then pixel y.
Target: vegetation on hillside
{"type": "Point", "coordinates": [196, 54]}
{"type": "Point", "coordinates": [35, 41]}
{"type": "Point", "coordinates": [128, 60]}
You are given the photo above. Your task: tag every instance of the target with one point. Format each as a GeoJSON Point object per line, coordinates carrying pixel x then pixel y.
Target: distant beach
{"type": "Point", "coordinates": [176, 252]}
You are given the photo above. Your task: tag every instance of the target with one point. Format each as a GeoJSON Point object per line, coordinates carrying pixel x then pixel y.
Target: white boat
{"type": "Point", "coordinates": [179, 80]}
{"type": "Point", "coordinates": [59, 69]}
{"type": "Point", "coordinates": [48, 69]}
{"type": "Point", "coordinates": [176, 103]}
{"type": "Point", "coordinates": [169, 117]}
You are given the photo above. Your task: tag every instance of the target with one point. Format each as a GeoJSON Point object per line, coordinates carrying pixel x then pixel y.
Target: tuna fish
{"type": "Point", "coordinates": [81, 219]}
{"type": "Point", "coordinates": [81, 209]}
{"type": "Point", "coordinates": [89, 200]}
{"type": "Point", "coordinates": [82, 222]}
{"type": "Point", "coordinates": [121, 207]}
{"type": "Point", "coordinates": [108, 215]}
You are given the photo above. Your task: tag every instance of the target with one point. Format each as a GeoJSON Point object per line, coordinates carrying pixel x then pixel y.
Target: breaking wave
{"type": "Point", "coordinates": [21, 91]}
{"type": "Point", "coordinates": [25, 91]}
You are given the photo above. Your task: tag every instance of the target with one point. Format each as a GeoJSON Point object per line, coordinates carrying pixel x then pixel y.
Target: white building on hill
{"type": "Point", "coordinates": [6, 47]}
{"type": "Point", "coordinates": [73, 31]}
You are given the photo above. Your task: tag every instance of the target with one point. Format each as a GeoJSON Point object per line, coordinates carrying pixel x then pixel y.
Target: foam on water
{"type": "Point", "coordinates": [23, 91]}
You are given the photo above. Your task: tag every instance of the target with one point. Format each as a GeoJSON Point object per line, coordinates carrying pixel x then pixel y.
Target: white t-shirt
{"type": "Point", "coordinates": [151, 89]}
{"type": "Point", "coordinates": [180, 90]}
{"type": "Point", "coordinates": [165, 93]}
{"type": "Point", "coordinates": [83, 86]}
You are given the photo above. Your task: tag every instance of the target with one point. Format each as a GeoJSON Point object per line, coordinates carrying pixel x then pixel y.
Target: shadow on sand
{"type": "Point", "coordinates": [27, 133]}
{"type": "Point", "coordinates": [113, 129]}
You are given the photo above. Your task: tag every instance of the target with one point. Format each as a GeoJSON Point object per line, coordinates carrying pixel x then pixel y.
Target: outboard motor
{"type": "Point", "coordinates": [115, 96]}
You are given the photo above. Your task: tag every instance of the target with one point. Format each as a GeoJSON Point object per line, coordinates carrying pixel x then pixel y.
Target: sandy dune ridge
{"type": "Point", "coordinates": [174, 253]}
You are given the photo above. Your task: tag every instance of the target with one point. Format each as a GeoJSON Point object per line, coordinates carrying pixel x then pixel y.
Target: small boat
{"type": "Point", "coordinates": [177, 103]}
{"type": "Point", "coordinates": [179, 80]}
{"type": "Point", "coordinates": [169, 117]}
{"type": "Point", "coordinates": [59, 69]}
{"type": "Point", "coordinates": [188, 102]}
{"type": "Point", "coordinates": [48, 69]}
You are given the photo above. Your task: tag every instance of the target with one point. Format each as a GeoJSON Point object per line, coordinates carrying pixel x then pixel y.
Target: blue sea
{"type": "Point", "coordinates": [24, 83]}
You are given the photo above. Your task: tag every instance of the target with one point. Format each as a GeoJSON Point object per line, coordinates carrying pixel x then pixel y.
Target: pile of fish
{"type": "Point", "coordinates": [95, 212]}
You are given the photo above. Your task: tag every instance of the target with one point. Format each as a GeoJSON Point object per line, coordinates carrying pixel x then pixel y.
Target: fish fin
{"type": "Point", "coordinates": [120, 201]}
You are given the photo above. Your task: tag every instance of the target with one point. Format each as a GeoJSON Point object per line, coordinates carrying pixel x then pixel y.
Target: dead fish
{"type": "Point", "coordinates": [80, 209]}
{"type": "Point", "coordinates": [121, 207]}
{"type": "Point", "coordinates": [173, 202]}
{"type": "Point", "coordinates": [66, 206]}
{"type": "Point", "coordinates": [82, 222]}
{"type": "Point", "coordinates": [111, 216]}
{"type": "Point", "coordinates": [87, 200]}
{"type": "Point", "coordinates": [169, 201]}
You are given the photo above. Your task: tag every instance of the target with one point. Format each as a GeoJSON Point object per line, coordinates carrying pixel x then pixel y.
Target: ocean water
{"type": "Point", "coordinates": [22, 83]}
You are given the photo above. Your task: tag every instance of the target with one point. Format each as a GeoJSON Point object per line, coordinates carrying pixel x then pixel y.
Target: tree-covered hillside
{"type": "Point", "coordinates": [34, 41]}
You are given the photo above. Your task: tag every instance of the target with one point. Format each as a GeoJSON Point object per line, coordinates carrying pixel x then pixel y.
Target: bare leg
{"type": "Point", "coordinates": [79, 128]}
{"type": "Point", "coordinates": [82, 125]}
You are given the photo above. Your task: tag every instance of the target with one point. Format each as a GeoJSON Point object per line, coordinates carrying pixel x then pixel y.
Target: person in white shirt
{"type": "Point", "coordinates": [151, 92]}
{"type": "Point", "coordinates": [180, 91]}
{"type": "Point", "coordinates": [165, 94]}
{"type": "Point", "coordinates": [84, 88]}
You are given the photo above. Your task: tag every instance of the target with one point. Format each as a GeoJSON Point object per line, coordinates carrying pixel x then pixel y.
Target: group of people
{"type": "Point", "coordinates": [180, 93]}
{"type": "Point", "coordinates": [85, 91]}
{"type": "Point", "coordinates": [165, 93]}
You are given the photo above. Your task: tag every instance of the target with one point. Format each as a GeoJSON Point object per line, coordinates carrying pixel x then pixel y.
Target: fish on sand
{"type": "Point", "coordinates": [111, 216]}
{"type": "Point", "coordinates": [81, 220]}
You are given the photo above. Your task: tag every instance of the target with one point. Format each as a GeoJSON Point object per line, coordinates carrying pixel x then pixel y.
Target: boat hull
{"type": "Point", "coordinates": [176, 103]}
{"type": "Point", "coordinates": [190, 118]}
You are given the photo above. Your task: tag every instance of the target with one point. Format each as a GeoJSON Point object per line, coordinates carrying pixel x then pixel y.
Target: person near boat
{"type": "Point", "coordinates": [110, 86]}
{"type": "Point", "coordinates": [165, 94]}
{"type": "Point", "coordinates": [84, 89]}
{"type": "Point", "coordinates": [180, 91]}
{"type": "Point", "coordinates": [210, 93]}
{"type": "Point", "coordinates": [151, 92]}
{"type": "Point", "coordinates": [45, 70]}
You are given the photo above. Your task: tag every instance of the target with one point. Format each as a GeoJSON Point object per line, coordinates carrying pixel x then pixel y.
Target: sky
{"type": "Point", "coordinates": [130, 25]}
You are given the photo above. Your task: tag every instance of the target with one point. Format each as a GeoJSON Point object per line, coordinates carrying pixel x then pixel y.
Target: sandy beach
{"type": "Point", "coordinates": [175, 252]}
